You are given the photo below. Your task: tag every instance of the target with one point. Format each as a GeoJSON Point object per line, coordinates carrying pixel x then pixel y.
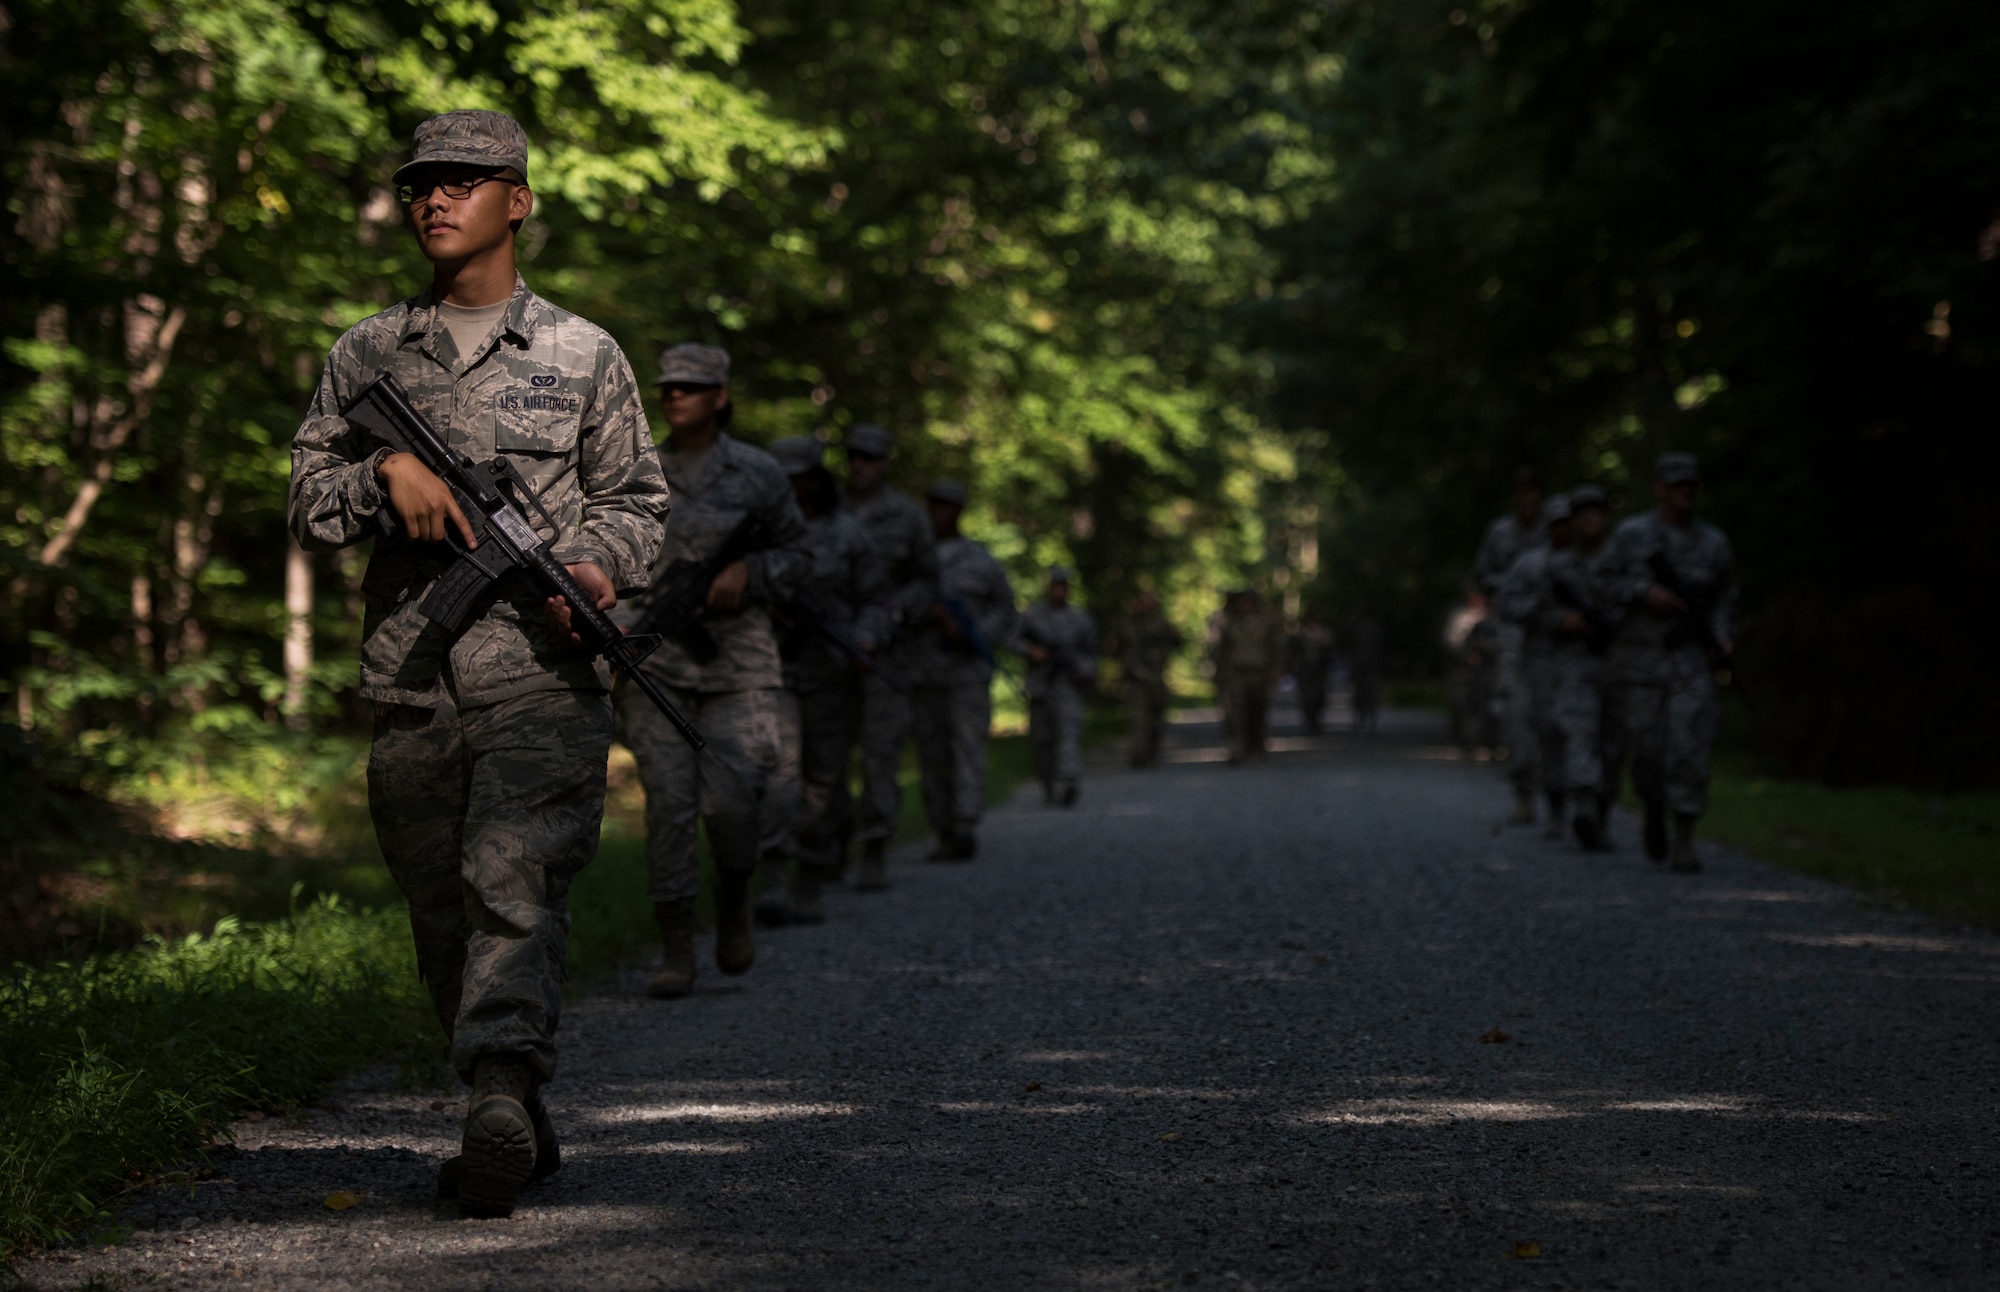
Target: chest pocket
{"type": "Point", "coordinates": [529, 417]}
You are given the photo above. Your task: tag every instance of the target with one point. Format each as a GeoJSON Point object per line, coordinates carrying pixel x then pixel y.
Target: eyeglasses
{"type": "Point", "coordinates": [456, 188]}
{"type": "Point", "coordinates": [675, 389]}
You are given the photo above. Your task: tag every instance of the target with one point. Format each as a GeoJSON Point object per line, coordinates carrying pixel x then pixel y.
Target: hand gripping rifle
{"type": "Point", "coordinates": [1597, 629]}
{"type": "Point", "coordinates": [492, 495]}
{"type": "Point", "coordinates": [1696, 624]}
{"type": "Point", "coordinates": [679, 598]}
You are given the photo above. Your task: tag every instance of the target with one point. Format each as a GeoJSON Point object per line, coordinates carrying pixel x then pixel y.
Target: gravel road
{"type": "Point", "coordinates": [1234, 1028]}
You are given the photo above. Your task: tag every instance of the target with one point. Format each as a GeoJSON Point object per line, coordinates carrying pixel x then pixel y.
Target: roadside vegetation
{"type": "Point", "coordinates": [122, 1066]}
{"type": "Point", "coordinates": [1939, 853]}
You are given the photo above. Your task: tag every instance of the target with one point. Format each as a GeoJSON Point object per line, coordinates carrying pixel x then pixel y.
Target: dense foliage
{"type": "Point", "coordinates": [1192, 293]}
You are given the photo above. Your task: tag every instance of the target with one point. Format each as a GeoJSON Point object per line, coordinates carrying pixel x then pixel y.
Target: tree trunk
{"type": "Point", "coordinates": [298, 632]}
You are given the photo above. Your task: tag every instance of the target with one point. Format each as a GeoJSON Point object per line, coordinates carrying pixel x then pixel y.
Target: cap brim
{"type": "Point", "coordinates": [457, 158]}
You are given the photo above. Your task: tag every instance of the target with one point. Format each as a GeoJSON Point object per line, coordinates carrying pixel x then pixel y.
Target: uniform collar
{"type": "Point", "coordinates": [523, 315]}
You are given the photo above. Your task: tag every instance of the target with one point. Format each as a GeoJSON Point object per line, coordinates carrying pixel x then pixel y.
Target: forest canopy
{"type": "Point", "coordinates": [1192, 294]}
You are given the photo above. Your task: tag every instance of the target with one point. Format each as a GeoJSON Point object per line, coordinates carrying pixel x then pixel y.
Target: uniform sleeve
{"type": "Point", "coordinates": [334, 495]}
{"type": "Point", "coordinates": [869, 590]}
{"type": "Point", "coordinates": [1625, 578]}
{"type": "Point", "coordinates": [781, 569]}
{"type": "Point", "coordinates": [1519, 594]}
{"type": "Point", "coordinates": [996, 614]}
{"type": "Point", "coordinates": [913, 599]}
{"type": "Point", "coordinates": [625, 496]}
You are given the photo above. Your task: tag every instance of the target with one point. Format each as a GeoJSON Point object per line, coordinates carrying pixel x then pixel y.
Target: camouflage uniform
{"type": "Point", "coordinates": [486, 777]}
{"type": "Point", "coordinates": [1148, 646]}
{"type": "Point", "coordinates": [1528, 607]}
{"type": "Point", "coordinates": [1248, 652]}
{"type": "Point", "coordinates": [1055, 691]}
{"type": "Point", "coordinates": [1311, 652]}
{"type": "Point", "coordinates": [952, 694]}
{"type": "Point", "coordinates": [1366, 648]}
{"type": "Point", "coordinates": [1505, 540]}
{"type": "Point", "coordinates": [1666, 707]}
{"type": "Point", "coordinates": [849, 589]}
{"type": "Point", "coordinates": [734, 699]}
{"type": "Point", "coordinates": [1578, 703]}
{"type": "Point", "coordinates": [902, 536]}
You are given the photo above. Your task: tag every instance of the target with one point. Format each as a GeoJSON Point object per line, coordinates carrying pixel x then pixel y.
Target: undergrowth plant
{"type": "Point", "coordinates": [127, 1064]}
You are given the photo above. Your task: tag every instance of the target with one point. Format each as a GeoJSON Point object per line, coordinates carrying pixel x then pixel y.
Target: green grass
{"type": "Point", "coordinates": [1940, 854]}
{"type": "Point", "coordinates": [126, 1064]}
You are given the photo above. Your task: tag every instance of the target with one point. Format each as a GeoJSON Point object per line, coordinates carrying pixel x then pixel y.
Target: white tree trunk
{"type": "Point", "coordinates": [298, 632]}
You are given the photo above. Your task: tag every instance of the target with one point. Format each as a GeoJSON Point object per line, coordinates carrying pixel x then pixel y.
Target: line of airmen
{"type": "Point", "coordinates": [1608, 645]}
{"type": "Point", "coordinates": [857, 618]}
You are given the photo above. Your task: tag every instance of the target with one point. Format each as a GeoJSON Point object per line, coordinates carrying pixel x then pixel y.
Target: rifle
{"type": "Point", "coordinates": [492, 495]}
{"type": "Point", "coordinates": [679, 598]}
{"type": "Point", "coordinates": [1058, 656]}
{"type": "Point", "coordinates": [1598, 629]}
{"type": "Point", "coordinates": [1696, 624]}
{"type": "Point", "coordinates": [968, 627]}
{"type": "Point", "coordinates": [806, 612]}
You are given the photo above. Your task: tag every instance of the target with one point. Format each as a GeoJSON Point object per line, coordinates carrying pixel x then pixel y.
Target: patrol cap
{"type": "Point", "coordinates": [1586, 496]}
{"type": "Point", "coordinates": [471, 137]}
{"type": "Point", "coordinates": [1676, 468]}
{"type": "Point", "coordinates": [798, 454]}
{"type": "Point", "coordinates": [1059, 574]}
{"type": "Point", "coordinates": [1556, 508]}
{"type": "Point", "coordinates": [871, 438]}
{"type": "Point", "coordinates": [693, 364]}
{"type": "Point", "coordinates": [948, 491]}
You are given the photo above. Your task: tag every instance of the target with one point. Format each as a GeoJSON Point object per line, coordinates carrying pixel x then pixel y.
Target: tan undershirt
{"type": "Point", "coordinates": [470, 324]}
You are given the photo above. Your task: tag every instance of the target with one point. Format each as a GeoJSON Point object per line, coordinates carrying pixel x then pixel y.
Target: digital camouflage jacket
{"type": "Point", "coordinates": [711, 496]}
{"type": "Point", "coordinates": [848, 589]}
{"type": "Point", "coordinates": [901, 529]}
{"type": "Point", "coordinates": [547, 390]}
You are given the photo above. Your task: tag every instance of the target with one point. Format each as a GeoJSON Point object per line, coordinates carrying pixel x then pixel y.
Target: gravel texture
{"type": "Point", "coordinates": [1221, 1028]}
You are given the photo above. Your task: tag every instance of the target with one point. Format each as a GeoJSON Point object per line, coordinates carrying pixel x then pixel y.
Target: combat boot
{"type": "Point", "coordinates": [675, 976]}
{"type": "Point", "coordinates": [735, 951]}
{"type": "Point", "coordinates": [1656, 830]}
{"type": "Point", "coordinates": [499, 1145]}
{"type": "Point", "coordinates": [962, 846]}
{"type": "Point", "coordinates": [1686, 860]}
{"type": "Point", "coordinates": [773, 910]}
{"type": "Point", "coordinates": [808, 885]}
{"type": "Point", "coordinates": [1524, 806]}
{"type": "Point", "coordinates": [873, 876]}
{"type": "Point", "coordinates": [1585, 825]}
{"type": "Point", "coordinates": [548, 1153]}
{"type": "Point", "coordinates": [1070, 790]}
{"type": "Point", "coordinates": [1557, 804]}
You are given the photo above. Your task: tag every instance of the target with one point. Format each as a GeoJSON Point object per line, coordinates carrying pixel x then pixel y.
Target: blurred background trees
{"type": "Point", "coordinates": [1192, 294]}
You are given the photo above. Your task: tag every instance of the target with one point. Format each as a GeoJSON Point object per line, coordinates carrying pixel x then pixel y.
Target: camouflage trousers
{"type": "Point", "coordinates": [1578, 720]}
{"type": "Point", "coordinates": [1551, 745]}
{"type": "Point", "coordinates": [1246, 712]}
{"type": "Point", "coordinates": [885, 724]}
{"type": "Point", "coordinates": [813, 807]}
{"type": "Point", "coordinates": [1666, 713]}
{"type": "Point", "coordinates": [1514, 708]}
{"type": "Point", "coordinates": [727, 786]}
{"type": "Point", "coordinates": [1148, 720]}
{"type": "Point", "coordinates": [1055, 731]}
{"type": "Point", "coordinates": [485, 815]}
{"type": "Point", "coordinates": [952, 724]}
{"type": "Point", "coordinates": [1312, 698]}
